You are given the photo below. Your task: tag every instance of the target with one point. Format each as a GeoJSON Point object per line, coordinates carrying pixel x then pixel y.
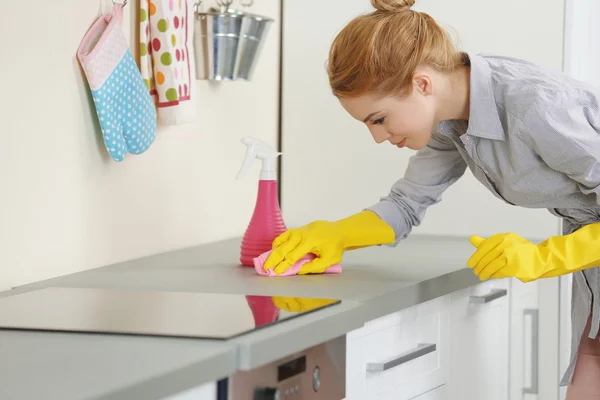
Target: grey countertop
{"type": "Point", "coordinates": [375, 282]}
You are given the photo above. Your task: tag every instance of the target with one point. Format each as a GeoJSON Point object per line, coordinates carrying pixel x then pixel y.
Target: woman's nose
{"type": "Point", "coordinates": [379, 135]}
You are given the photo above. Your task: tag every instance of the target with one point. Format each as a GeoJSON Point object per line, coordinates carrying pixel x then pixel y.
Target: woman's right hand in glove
{"type": "Point", "coordinates": [328, 241]}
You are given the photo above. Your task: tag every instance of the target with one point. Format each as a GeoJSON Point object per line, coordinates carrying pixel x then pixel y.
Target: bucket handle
{"type": "Point", "coordinates": [224, 3]}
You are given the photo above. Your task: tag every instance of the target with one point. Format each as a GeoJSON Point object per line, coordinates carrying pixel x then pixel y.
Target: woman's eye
{"type": "Point", "coordinates": [379, 121]}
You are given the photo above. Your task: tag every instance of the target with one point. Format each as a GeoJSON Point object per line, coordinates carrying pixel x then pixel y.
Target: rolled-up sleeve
{"type": "Point", "coordinates": [565, 133]}
{"type": "Point", "coordinates": [429, 173]}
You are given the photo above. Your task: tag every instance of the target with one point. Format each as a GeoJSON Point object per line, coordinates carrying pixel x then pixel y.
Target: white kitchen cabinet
{"type": "Point", "coordinates": [524, 341]}
{"type": "Point", "coordinates": [399, 356]}
{"type": "Point", "coordinates": [472, 332]}
{"type": "Point", "coordinates": [479, 342]}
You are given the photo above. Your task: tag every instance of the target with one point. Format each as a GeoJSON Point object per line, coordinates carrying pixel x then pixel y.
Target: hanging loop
{"type": "Point", "coordinates": [224, 3]}
{"type": "Point", "coordinates": [123, 3]}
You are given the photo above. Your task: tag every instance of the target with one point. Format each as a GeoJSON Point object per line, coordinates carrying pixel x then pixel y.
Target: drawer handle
{"type": "Point", "coordinates": [535, 331]}
{"type": "Point", "coordinates": [421, 350]}
{"type": "Point", "coordinates": [491, 296]}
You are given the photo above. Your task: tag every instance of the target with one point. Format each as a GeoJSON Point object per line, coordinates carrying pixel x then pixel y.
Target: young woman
{"type": "Point", "coordinates": [529, 134]}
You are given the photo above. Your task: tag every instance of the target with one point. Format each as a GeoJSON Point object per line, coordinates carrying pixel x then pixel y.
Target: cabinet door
{"type": "Point", "coordinates": [524, 334]}
{"type": "Point", "coordinates": [479, 342]}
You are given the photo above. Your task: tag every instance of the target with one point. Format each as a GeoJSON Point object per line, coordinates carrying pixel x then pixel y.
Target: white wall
{"type": "Point", "coordinates": [331, 166]}
{"type": "Point", "coordinates": [65, 205]}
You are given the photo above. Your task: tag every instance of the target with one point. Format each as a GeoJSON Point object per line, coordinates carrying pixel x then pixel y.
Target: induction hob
{"type": "Point", "coordinates": [155, 313]}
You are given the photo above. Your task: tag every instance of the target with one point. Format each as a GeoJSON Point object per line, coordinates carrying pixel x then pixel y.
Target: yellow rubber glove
{"type": "Point", "coordinates": [298, 304]}
{"type": "Point", "coordinates": [509, 255]}
{"type": "Point", "coordinates": [328, 241]}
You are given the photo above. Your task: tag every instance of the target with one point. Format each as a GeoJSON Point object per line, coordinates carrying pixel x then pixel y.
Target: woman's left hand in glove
{"type": "Point", "coordinates": [507, 255]}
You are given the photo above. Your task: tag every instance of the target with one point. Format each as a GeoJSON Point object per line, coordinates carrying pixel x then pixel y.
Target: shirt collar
{"type": "Point", "coordinates": [484, 121]}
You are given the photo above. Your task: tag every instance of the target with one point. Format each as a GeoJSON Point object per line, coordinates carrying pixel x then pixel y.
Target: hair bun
{"type": "Point", "coordinates": [392, 5]}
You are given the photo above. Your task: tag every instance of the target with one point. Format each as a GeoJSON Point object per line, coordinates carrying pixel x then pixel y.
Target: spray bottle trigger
{"type": "Point", "coordinates": [248, 160]}
{"type": "Point", "coordinates": [256, 148]}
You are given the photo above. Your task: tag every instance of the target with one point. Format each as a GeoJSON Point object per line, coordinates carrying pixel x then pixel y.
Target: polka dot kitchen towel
{"type": "Point", "coordinates": [166, 58]}
{"type": "Point", "coordinates": [125, 109]}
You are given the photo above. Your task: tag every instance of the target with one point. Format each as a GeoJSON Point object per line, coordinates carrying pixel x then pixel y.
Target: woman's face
{"type": "Point", "coordinates": [404, 122]}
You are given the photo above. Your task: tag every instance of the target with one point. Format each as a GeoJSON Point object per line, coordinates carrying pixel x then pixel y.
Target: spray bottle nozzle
{"type": "Point", "coordinates": [256, 148]}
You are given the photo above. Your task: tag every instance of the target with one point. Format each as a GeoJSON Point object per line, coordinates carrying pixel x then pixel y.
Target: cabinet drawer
{"type": "Point", "coordinates": [479, 342]}
{"type": "Point", "coordinates": [401, 355]}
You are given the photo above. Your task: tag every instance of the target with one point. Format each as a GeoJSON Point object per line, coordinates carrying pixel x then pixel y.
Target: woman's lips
{"type": "Point", "coordinates": [401, 144]}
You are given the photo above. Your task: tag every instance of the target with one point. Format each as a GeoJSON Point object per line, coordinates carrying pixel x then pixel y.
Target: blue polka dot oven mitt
{"type": "Point", "coordinates": [125, 109]}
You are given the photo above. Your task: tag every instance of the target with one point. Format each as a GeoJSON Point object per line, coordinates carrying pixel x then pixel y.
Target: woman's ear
{"type": "Point", "coordinates": [423, 84]}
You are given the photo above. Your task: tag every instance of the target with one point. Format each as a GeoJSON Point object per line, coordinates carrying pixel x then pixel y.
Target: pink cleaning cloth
{"type": "Point", "coordinates": [293, 270]}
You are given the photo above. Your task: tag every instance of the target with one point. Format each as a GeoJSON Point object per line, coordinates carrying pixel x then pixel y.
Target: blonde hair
{"type": "Point", "coordinates": [380, 52]}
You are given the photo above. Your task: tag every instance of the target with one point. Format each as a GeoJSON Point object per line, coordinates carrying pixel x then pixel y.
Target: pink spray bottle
{"type": "Point", "coordinates": [266, 223]}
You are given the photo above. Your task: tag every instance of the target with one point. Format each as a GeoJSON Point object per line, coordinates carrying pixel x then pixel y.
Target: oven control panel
{"type": "Point", "coordinates": [290, 391]}
{"type": "Point", "coordinates": [317, 373]}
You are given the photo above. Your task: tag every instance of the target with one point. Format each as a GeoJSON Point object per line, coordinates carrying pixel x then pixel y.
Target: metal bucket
{"type": "Point", "coordinates": [227, 42]}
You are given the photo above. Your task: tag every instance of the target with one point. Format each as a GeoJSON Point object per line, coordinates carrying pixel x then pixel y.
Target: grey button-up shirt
{"type": "Point", "coordinates": [533, 139]}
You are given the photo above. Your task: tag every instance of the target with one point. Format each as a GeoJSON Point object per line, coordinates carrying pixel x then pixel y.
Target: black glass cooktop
{"type": "Point", "coordinates": [156, 313]}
